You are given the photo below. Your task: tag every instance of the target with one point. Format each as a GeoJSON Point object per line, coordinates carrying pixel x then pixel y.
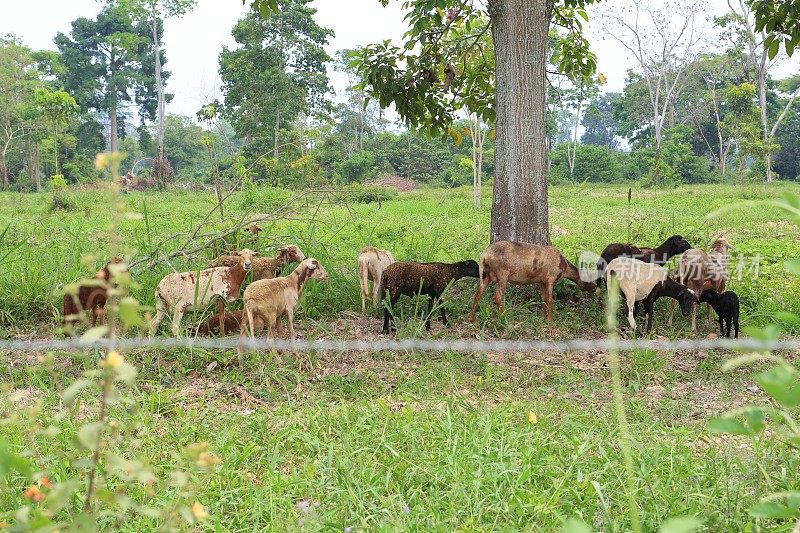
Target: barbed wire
{"type": "Point", "coordinates": [403, 345]}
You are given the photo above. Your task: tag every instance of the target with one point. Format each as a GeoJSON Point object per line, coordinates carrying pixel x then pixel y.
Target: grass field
{"type": "Point", "coordinates": [405, 441]}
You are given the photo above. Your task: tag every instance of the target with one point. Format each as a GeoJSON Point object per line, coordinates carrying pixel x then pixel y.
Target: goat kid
{"type": "Point", "coordinates": [727, 307]}
{"type": "Point", "coordinates": [90, 295]}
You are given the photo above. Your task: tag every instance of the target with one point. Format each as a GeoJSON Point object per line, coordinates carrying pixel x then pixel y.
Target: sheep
{"type": "Point", "coordinates": [646, 282]}
{"type": "Point", "coordinates": [659, 255]}
{"type": "Point", "coordinates": [727, 307]}
{"type": "Point", "coordinates": [264, 267]}
{"type": "Point", "coordinates": [89, 295]}
{"type": "Point", "coordinates": [182, 291]}
{"type": "Point", "coordinates": [231, 320]}
{"type": "Point", "coordinates": [412, 278]}
{"type": "Point", "coordinates": [699, 270]}
{"type": "Point", "coordinates": [270, 299]}
{"type": "Point", "coordinates": [371, 264]}
{"type": "Point", "coordinates": [523, 264]}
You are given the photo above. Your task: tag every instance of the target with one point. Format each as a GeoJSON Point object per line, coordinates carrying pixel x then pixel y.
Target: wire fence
{"type": "Point", "coordinates": [403, 345]}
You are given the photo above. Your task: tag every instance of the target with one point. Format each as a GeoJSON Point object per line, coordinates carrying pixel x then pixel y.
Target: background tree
{"type": "Point", "coordinates": [108, 62]}
{"type": "Point", "coordinates": [663, 42]}
{"type": "Point", "coordinates": [276, 73]}
{"type": "Point", "coordinates": [600, 127]}
{"type": "Point", "coordinates": [56, 109]}
{"type": "Point", "coordinates": [424, 85]}
{"type": "Point", "coordinates": [153, 13]}
{"type": "Point", "coordinates": [18, 80]}
{"type": "Point", "coordinates": [761, 51]}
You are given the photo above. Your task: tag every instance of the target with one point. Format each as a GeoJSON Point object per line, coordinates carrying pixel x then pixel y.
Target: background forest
{"type": "Point", "coordinates": [690, 117]}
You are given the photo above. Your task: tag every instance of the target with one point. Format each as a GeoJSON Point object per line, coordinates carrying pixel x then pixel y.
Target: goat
{"type": "Point", "coordinates": [231, 321]}
{"type": "Point", "coordinates": [371, 264]}
{"type": "Point", "coordinates": [699, 270]}
{"type": "Point", "coordinates": [89, 295]}
{"type": "Point", "coordinates": [522, 264]}
{"type": "Point", "coordinates": [659, 255]}
{"type": "Point", "coordinates": [270, 299]}
{"type": "Point", "coordinates": [646, 282]}
{"type": "Point", "coordinates": [183, 291]}
{"type": "Point", "coordinates": [412, 278]}
{"type": "Point", "coordinates": [727, 307]}
{"type": "Point", "coordinates": [253, 230]}
{"type": "Point", "coordinates": [265, 267]}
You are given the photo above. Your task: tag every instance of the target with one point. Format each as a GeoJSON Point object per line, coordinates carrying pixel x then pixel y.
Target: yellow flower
{"type": "Point", "coordinates": [199, 511]}
{"type": "Point", "coordinates": [601, 78]}
{"type": "Point", "coordinates": [532, 418]}
{"type": "Point", "coordinates": [101, 161]}
{"type": "Point", "coordinates": [208, 459]}
{"type": "Point", "coordinates": [114, 359]}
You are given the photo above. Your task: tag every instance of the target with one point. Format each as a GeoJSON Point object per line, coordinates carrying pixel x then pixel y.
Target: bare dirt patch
{"type": "Point", "coordinates": [395, 182]}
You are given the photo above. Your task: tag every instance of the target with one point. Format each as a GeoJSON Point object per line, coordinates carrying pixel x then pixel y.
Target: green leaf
{"type": "Point", "coordinates": [11, 462]}
{"type": "Point", "coordinates": [129, 312]}
{"type": "Point", "coordinates": [681, 524]}
{"type": "Point", "coordinates": [782, 383]}
{"type": "Point", "coordinates": [793, 266]}
{"type": "Point", "coordinates": [89, 435]}
{"type": "Point", "coordinates": [72, 391]}
{"type": "Point", "coordinates": [770, 332]}
{"type": "Point", "coordinates": [755, 419]}
{"type": "Point", "coordinates": [772, 509]}
{"type": "Point", "coordinates": [722, 424]}
{"type": "Point", "coordinates": [95, 333]}
{"type": "Point", "coordinates": [575, 525]}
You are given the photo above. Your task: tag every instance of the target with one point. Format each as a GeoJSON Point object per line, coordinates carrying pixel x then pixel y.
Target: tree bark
{"type": "Point", "coordinates": [519, 203]}
{"type": "Point", "coordinates": [159, 83]}
{"type": "Point", "coordinates": [277, 135]}
{"type": "Point", "coordinates": [4, 174]}
{"type": "Point", "coordinates": [112, 137]}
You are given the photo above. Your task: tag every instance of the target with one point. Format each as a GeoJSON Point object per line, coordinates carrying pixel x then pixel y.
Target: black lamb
{"type": "Point", "coordinates": [727, 307]}
{"type": "Point", "coordinates": [412, 278]}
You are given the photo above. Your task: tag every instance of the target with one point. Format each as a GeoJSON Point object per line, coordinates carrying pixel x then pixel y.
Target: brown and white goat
{"type": "Point", "coordinates": [89, 295]}
{"type": "Point", "coordinates": [659, 255]}
{"type": "Point", "coordinates": [265, 267]}
{"type": "Point", "coordinates": [521, 263]}
{"type": "Point", "coordinates": [184, 291]}
{"type": "Point", "coordinates": [371, 264]}
{"type": "Point", "coordinates": [646, 283]}
{"type": "Point", "coordinates": [270, 299]}
{"type": "Point", "coordinates": [700, 271]}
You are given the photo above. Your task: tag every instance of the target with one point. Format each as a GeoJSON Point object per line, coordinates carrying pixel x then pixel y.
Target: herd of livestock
{"type": "Point", "coordinates": [639, 273]}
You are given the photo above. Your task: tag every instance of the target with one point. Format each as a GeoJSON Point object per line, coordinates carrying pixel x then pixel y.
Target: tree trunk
{"type": "Point", "coordinates": [4, 174]}
{"type": "Point", "coordinates": [276, 151]}
{"type": "Point", "coordinates": [159, 83]}
{"type": "Point", "coordinates": [519, 204]}
{"type": "Point", "coordinates": [34, 169]}
{"type": "Point", "coordinates": [761, 72]}
{"type": "Point", "coordinates": [112, 137]}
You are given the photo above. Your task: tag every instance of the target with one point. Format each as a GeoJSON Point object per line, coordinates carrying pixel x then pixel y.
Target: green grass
{"type": "Point", "coordinates": [411, 441]}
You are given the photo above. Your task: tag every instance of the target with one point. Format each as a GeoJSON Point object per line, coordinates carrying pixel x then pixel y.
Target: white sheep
{"type": "Point", "coordinates": [184, 291]}
{"type": "Point", "coordinates": [371, 264]}
{"type": "Point", "coordinates": [646, 282]}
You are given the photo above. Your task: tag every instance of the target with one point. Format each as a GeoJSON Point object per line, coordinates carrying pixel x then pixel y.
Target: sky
{"type": "Point", "coordinates": [194, 42]}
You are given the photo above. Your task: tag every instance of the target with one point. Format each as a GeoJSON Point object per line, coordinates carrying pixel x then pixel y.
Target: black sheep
{"type": "Point", "coordinates": [412, 278]}
{"type": "Point", "coordinates": [659, 255]}
{"type": "Point", "coordinates": [727, 307]}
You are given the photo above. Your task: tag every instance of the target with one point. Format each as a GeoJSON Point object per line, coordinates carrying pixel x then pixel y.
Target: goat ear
{"type": "Point", "coordinates": [312, 265]}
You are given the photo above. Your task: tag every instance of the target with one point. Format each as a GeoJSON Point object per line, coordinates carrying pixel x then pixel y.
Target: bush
{"type": "Point", "coordinates": [358, 168]}
{"type": "Point", "coordinates": [592, 163]}
{"type": "Point", "coordinates": [366, 194]}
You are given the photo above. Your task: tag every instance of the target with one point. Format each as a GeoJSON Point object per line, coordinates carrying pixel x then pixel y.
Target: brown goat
{"type": "Point", "coordinates": [522, 264]}
{"type": "Point", "coordinates": [90, 295]}
{"type": "Point", "coordinates": [700, 271]}
{"type": "Point", "coordinates": [231, 320]}
{"type": "Point", "coordinates": [265, 267]}
{"type": "Point", "coordinates": [270, 299]}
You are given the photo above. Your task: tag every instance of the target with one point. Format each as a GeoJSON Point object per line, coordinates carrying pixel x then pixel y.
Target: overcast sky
{"type": "Point", "coordinates": [194, 42]}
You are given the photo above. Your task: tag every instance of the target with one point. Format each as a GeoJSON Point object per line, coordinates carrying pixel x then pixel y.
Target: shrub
{"type": "Point", "coordinates": [358, 168]}
{"type": "Point", "coordinates": [592, 163]}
